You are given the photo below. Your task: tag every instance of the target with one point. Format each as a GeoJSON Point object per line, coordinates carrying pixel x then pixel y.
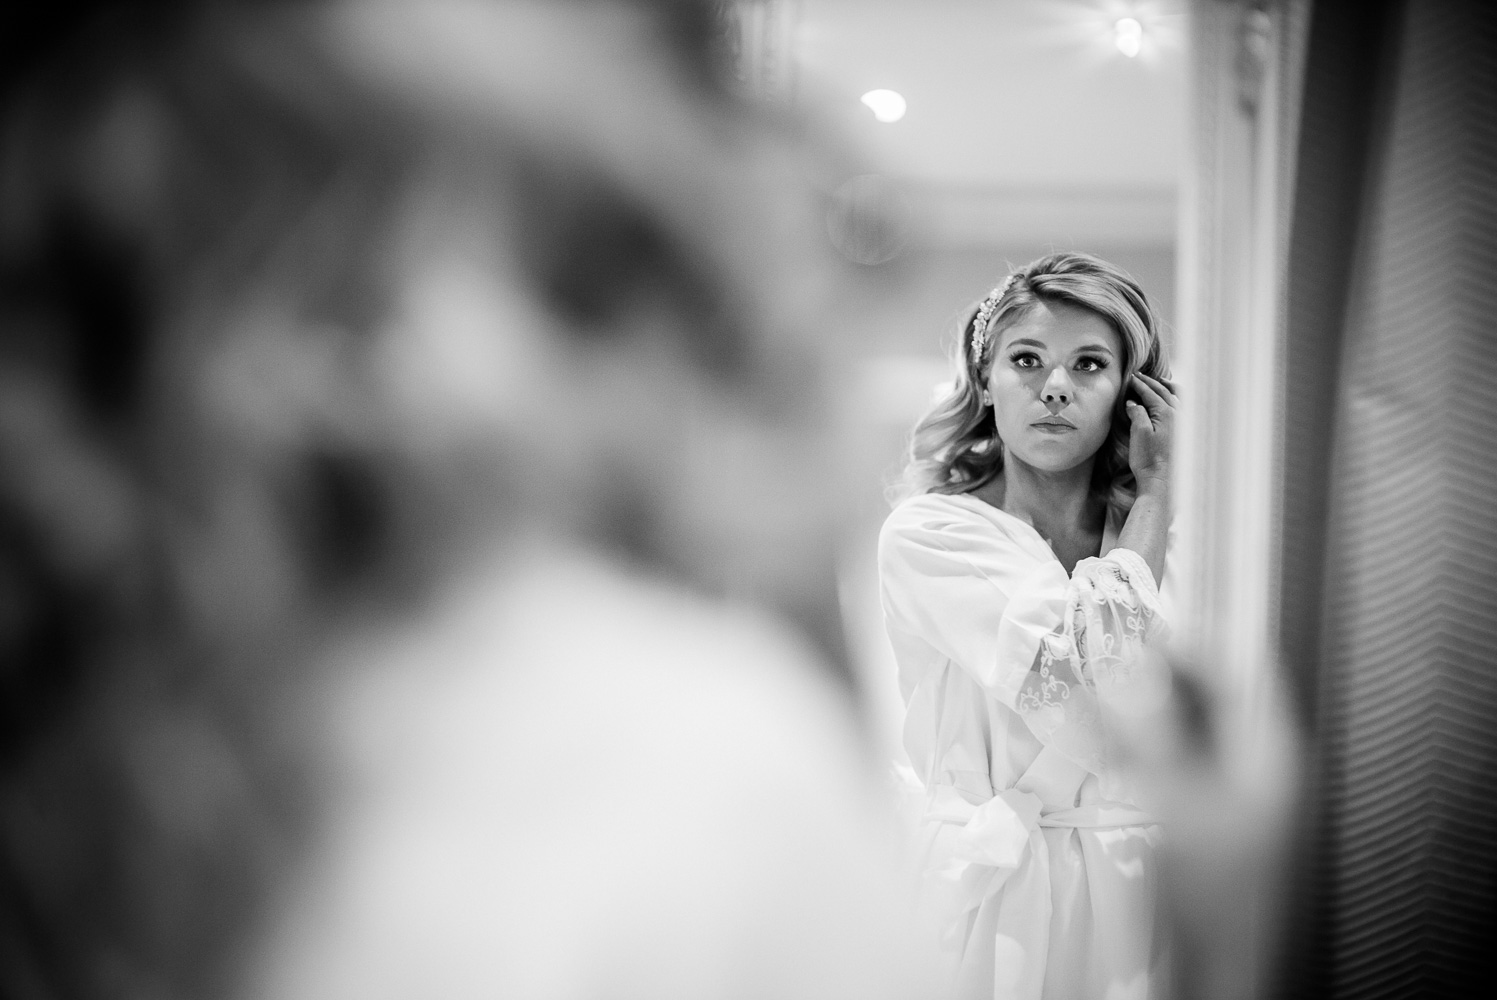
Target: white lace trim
{"type": "Point", "coordinates": [1112, 614]}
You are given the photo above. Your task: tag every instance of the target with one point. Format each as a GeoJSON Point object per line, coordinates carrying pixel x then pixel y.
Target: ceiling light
{"type": "Point", "coordinates": [886, 105]}
{"type": "Point", "coordinates": [1128, 36]}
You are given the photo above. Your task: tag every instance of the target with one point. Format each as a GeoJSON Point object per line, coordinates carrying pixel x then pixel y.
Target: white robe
{"type": "Point", "coordinates": [1036, 862]}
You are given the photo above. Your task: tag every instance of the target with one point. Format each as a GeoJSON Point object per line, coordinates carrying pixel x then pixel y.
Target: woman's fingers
{"type": "Point", "coordinates": [1164, 390]}
{"type": "Point", "coordinates": [1152, 398]}
{"type": "Point", "coordinates": [1138, 416]}
{"type": "Point", "coordinates": [1152, 416]}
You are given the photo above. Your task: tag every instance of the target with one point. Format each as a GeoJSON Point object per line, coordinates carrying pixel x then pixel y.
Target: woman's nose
{"type": "Point", "coordinates": [1057, 391]}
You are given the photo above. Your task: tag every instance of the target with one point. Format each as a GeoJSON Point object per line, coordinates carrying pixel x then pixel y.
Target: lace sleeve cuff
{"type": "Point", "coordinates": [1138, 572]}
{"type": "Point", "coordinates": [1112, 613]}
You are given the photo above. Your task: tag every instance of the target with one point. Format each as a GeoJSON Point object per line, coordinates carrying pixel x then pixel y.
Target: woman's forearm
{"type": "Point", "coordinates": [1147, 529]}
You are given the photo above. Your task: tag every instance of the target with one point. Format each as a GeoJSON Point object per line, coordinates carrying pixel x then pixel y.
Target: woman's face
{"type": "Point", "coordinates": [1055, 379]}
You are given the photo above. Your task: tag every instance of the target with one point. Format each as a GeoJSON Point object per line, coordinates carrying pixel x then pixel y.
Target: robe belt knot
{"type": "Point", "coordinates": [997, 833]}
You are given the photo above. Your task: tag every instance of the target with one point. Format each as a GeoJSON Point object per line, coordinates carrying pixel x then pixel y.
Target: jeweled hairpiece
{"type": "Point", "coordinates": [985, 316]}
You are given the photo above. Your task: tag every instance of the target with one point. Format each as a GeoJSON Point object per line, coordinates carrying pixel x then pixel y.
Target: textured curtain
{"type": "Point", "coordinates": [1388, 568]}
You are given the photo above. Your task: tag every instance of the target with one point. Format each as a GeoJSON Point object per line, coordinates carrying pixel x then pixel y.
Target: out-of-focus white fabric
{"type": "Point", "coordinates": [1038, 866]}
{"type": "Point", "coordinates": [572, 780]}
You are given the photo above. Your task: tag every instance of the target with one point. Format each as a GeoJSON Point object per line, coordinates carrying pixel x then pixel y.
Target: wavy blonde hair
{"type": "Point", "coordinates": [955, 447]}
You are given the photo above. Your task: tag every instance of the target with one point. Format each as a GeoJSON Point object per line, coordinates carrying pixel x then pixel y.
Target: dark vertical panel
{"type": "Point", "coordinates": [1457, 67]}
{"type": "Point", "coordinates": [1399, 895]}
{"type": "Point", "coordinates": [1348, 55]}
{"type": "Point", "coordinates": [1347, 67]}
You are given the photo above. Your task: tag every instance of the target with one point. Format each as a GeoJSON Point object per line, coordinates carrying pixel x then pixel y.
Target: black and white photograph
{"type": "Point", "coordinates": [736, 499]}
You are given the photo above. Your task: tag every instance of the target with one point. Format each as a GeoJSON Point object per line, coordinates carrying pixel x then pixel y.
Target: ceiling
{"type": "Point", "coordinates": [1024, 119]}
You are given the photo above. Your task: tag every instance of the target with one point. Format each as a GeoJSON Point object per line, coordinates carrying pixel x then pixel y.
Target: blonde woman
{"type": "Point", "coordinates": [1020, 581]}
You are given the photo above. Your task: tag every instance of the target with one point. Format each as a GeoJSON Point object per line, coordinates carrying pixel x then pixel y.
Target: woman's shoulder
{"type": "Point", "coordinates": [954, 516]}
{"type": "Point", "coordinates": [936, 541]}
{"type": "Point", "coordinates": [927, 508]}
{"type": "Point", "coordinates": [962, 507]}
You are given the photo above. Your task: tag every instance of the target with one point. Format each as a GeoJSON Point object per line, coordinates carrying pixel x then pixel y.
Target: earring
{"type": "Point", "coordinates": [987, 398]}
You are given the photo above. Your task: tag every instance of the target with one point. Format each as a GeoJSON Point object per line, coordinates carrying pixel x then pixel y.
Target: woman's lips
{"type": "Point", "coordinates": [1053, 426]}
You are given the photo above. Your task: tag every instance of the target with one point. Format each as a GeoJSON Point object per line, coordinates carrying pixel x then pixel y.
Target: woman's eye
{"type": "Point", "coordinates": [1091, 365]}
{"type": "Point", "coordinates": [1026, 360]}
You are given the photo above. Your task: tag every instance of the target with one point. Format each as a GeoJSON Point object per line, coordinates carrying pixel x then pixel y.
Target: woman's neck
{"type": "Point", "coordinates": [1061, 506]}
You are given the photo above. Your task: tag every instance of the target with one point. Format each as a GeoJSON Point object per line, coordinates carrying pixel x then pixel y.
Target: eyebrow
{"type": "Point", "coordinates": [1100, 348]}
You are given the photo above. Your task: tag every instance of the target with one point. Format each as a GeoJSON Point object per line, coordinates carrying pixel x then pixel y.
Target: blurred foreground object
{"type": "Point", "coordinates": [1226, 794]}
{"type": "Point", "coordinates": [411, 457]}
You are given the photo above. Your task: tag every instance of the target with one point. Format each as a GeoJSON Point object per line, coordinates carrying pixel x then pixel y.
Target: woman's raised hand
{"type": "Point", "coordinates": [1153, 426]}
